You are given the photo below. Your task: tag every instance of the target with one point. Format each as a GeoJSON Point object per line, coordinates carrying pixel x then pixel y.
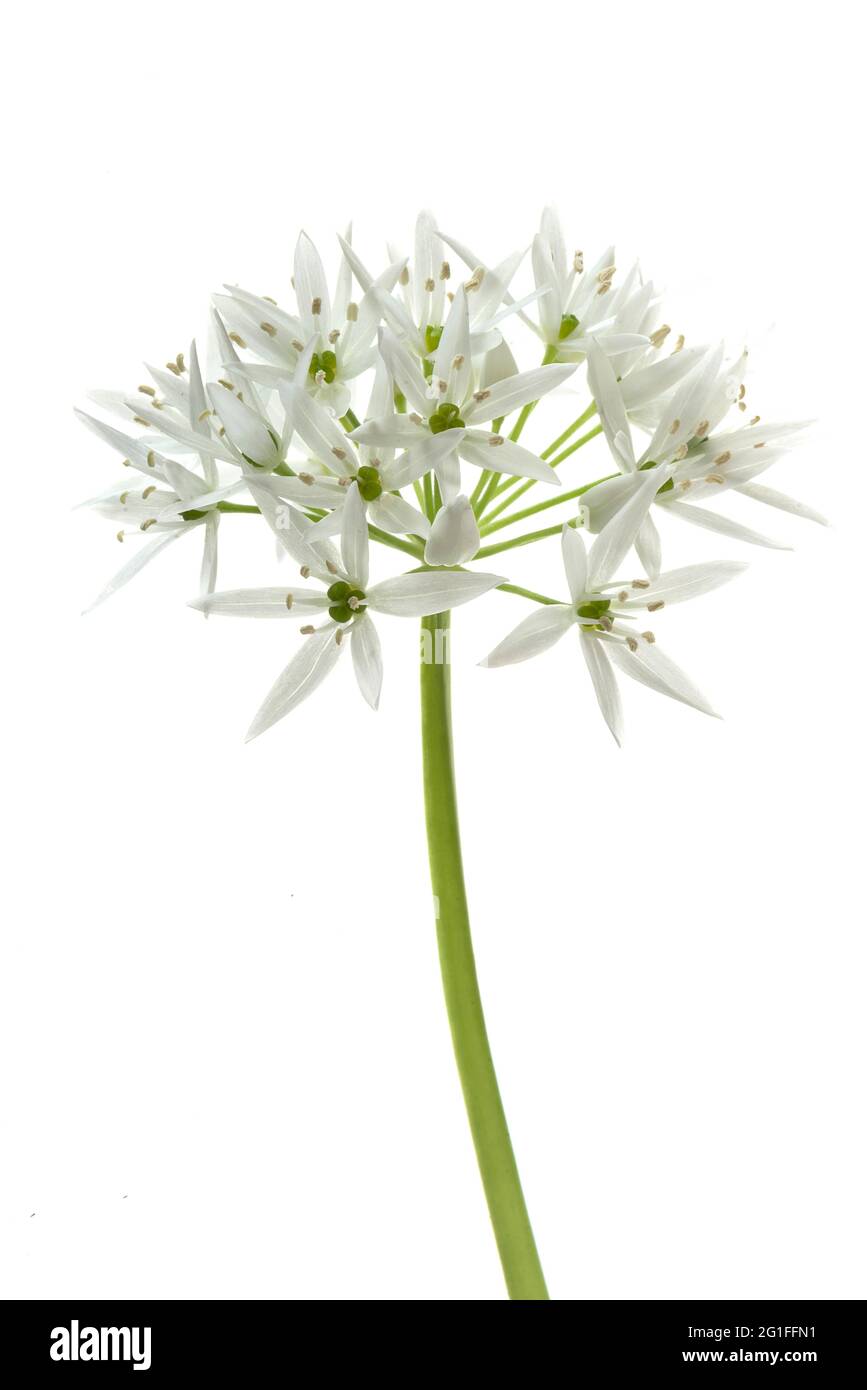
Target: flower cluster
{"type": "Point", "coordinates": [431, 466]}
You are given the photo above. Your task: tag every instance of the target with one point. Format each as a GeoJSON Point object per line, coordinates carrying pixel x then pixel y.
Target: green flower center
{"type": "Point", "coordinates": [432, 335]}
{"type": "Point", "coordinates": [596, 608]}
{"type": "Point", "coordinates": [446, 417]}
{"type": "Point", "coordinates": [568, 324]}
{"type": "Point", "coordinates": [369, 483]}
{"type": "Point", "coordinates": [324, 362]}
{"type": "Point", "coordinates": [342, 610]}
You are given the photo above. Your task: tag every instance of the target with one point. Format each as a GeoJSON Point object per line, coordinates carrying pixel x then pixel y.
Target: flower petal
{"type": "Point", "coordinates": [612, 412]}
{"type": "Point", "coordinates": [535, 634]}
{"type": "Point", "coordinates": [318, 656]}
{"type": "Point", "coordinates": [397, 516]}
{"type": "Point", "coordinates": [454, 535]}
{"type": "Point", "coordinates": [505, 457]}
{"type": "Point", "coordinates": [648, 547]}
{"type": "Point", "coordinates": [263, 603]}
{"type": "Point", "coordinates": [433, 591]}
{"type": "Point", "coordinates": [723, 525]}
{"type": "Point", "coordinates": [676, 586]}
{"type": "Point", "coordinates": [604, 683]}
{"type": "Point", "coordinates": [142, 557]}
{"type": "Point", "coordinates": [651, 667]}
{"type": "Point", "coordinates": [513, 392]}
{"type": "Point", "coordinates": [367, 658]}
{"type": "Point", "coordinates": [617, 536]}
{"type": "Point", "coordinates": [574, 561]}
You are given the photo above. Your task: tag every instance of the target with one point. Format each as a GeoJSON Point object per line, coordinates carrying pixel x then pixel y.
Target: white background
{"type": "Point", "coordinates": [226, 1067]}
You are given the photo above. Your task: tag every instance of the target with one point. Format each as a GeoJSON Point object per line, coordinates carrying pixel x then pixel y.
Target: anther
{"type": "Point", "coordinates": [457, 362]}
{"type": "Point", "coordinates": [147, 390]}
{"type": "Point", "coordinates": [146, 492]}
{"type": "Point", "coordinates": [338, 452]}
{"type": "Point", "coordinates": [307, 629]}
{"type": "Point", "coordinates": [701, 429]}
{"type": "Point", "coordinates": [306, 478]}
{"type": "Point", "coordinates": [659, 336]}
{"type": "Point", "coordinates": [179, 360]}
{"type": "Point", "coordinates": [204, 415]}
{"type": "Point", "coordinates": [268, 300]}
{"type": "Point", "coordinates": [755, 420]}
{"type": "Point", "coordinates": [715, 478]}
{"type": "Point", "coordinates": [578, 262]}
{"type": "Point", "coordinates": [429, 284]}
{"type": "Point", "coordinates": [481, 396]}
{"type": "Point", "coordinates": [333, 336]}
{"type": "Point", "coordinates": [119, 536]}
{"type": "Point", "coordinates": [122, 498]}
{"type": "Point", "coordinates": [641, 583]}
{"type": "Point", "coordinates": [137, 419]}
{"type": "Point", "coordinates": [655, 607]}
{"type": "Point", "coordinates": [222, 381]}
{"type": "Point", "coordinates": [331, 567]}
{"type": "Point", "coordinates": [742, 405]}
{"type": "Point", "coordinates": [723, 458]}
{"type": "Point", "coordinates": [675, 426]}
{"type": "Point", "coordinates": [152, 459]}
{"type": "Point", "coordinates": [289, 600]}
{"type": "Point", "coordinates": [416, 419]}
{"type": "Point", "coordinates": [679, 344]}
{"type": "Point", "coordinates": [269, 329]}
{"type": "Point", "coordinates": [445, 271]}
{"type": "Point", "coordinates": [623, 596]}
{"type": "Point", "coordinates": [305, 571]}
{"type": "Point", "coordinates": [338, 637]}
{"type": "Point", "coordinates": [316, 306]}
{"type": "Point", "coordinates": [686, 484]}
{"type": "Point", "coordinates": [151, 521]}
{"type": "Point", "coordinates": [632, 644]}
{"type": "Point", "coordinates": [236, 338]}
{"type": "Point", "coordinates": [351, 311]}
{"type": "Point", "coordinates": [174, 368]}
{"type": "Point", "coordinates": [404, 276]}
{"type": "Point", "coordinates": [760, 445]}
{"type": "Point", "coordinates": [495, 440]}
{"type": "Point", "coordinates": [742, 392]}
{"type": "Point", "coordinates": [649, 637]}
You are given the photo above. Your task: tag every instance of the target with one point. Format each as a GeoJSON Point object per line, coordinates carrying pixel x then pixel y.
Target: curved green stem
{"type": "Point", "coordinates": [499, 1172]}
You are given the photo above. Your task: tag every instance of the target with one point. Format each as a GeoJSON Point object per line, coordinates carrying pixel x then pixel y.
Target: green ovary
{"type": "Point", "coordinates": [369, 483]}
{"type": "Point", "coordinates": [324, 362]}
{"type": "Point", "coordinates": [341, 610]}
{"type": "Point", "coordinates": [446, 417]}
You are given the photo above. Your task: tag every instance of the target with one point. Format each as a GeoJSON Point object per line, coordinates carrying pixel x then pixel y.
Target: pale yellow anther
{"type": "Point", "coordinates": [152, 459]}
{"type": "Point", "coordinates": [147, 390]}
{"type": "Point", "coordinates": [715, 478]}
{"type": "Point", "coordinates": [416, 418]}
{"type": "Point", "coordinates": [203, 416]}
{"type": "Point", "coordinates": [445, 271]}
{"type": "Point", "coordinates": [679, 344]}
{"type": "Point", "coordinates": [305, 571]}
{"type": "Point", "coordinates": [430, 284]}
{"type": "Point", "coordinates": [742, 392]}
{"type": "Point", "coordinates": [755, 420]}
{"type": "Point", "coordinates": [457, 362]}
{"type": "Point", "coordinates": [658, 337]}
{"type": "Point", "coordinates": [761, 445]}
{"type": "Point", "coordinates": [723, 458]}
{"type": "Point", "coordinates": [675, 426]}
{"type": "Point", "coordinates": [649, 637]}
{"type": "Point", "coordinates": [146, 492]}
{"type": "Point", "coordinates": [174, 368]}
{"type": "Point", "coordinates": [701, 429]}
{"type": "Point", "coordinates": [655, 607]}
{"type": "Point", "coordinates": [641, 583]}
{"type": "Point", "coordinates": [222, 381]}
{"type": "Point", "coordinates": [742, 405]}
{"type": "Point", "coordinates": [632, 644]}
{"type": "Point", "coordinates": [338, 452]}
{"type": "Point", "coordinates": [119, 536]}
{"type": "Point", "coordinates": [269, 329]}
{"type": "Point", "coordinates": [236, 338]}
{"type": "Point", "coordinates": [681, 453]}
{"type": "Point", "coordinates": [338, 637]}
{"type": "Point", "coordinates": [331, 567]}
{"type": "Point", "coordinates": [269, 300]}
{"type": "Point", "coordinates": [316, 306]}
{"type": "Point", "coordinates": [289, 600]}
{"type": "Point", "coordinates": [333, 336]}
{"type": "Point", "coordinates": [307, 630]}
{"type": "Point", "coordinates": [404, 276]}
{"type": "Point", "coordinates": [125, 463]}
{"type": "Point", "coordinates": [306, 478]}
{"type": "Point", "coordinates": [351, 311]}
{"type": "Point", "coordinates": [481, 396]}
{"type": "Point", "coordinates": [179, 362]}
{"type": "Point", "coordinates": [297, 344]}
{"type": "Point", "coordinates": [122, 498]}
{"type": "Point", "coordinates": [495, 440]}
{"type": "Point", "coordinates": [623, 596]}
{"type": "Point", "coordinates": [686, 484]}
{"type": "Point", "coordinates": [137, 420]}
{"type": "Point", "coordinates": [151, 521]}
{"type": "Point", "coordinates": [578, 262]}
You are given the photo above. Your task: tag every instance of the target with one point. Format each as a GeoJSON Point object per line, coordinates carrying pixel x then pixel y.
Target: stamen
{"type": "Point", "coordinates": [701, 429]}
{"type": "Point", "coordinates": [204, 415]}
{"type": "Point", "coordinates": [146, 492]}
{"type": "Point", "coordinates": [445, 271]}
{"type": "Point", "coordinates": [333, 335]}
{"type": "Point", "coordinates": [578, 262]}
{"type": "Point", "coordinates": [429, 285]}
{"type": "Point", "coordinates": [147, 390]}
{"type": "Point", "coordinates": [290, 599]}
{"type": "Point", "coordinates": [495, 440]}
{"type": "Point", "coordinates": [723, 458]}
{"type": "Point", "coordinates": [307, 630]}
{"type": "Point", "coordinates": [306, 478]}
{"type": "Point", "coordinates": [174, 368]}
{"type": "Point", "coordinates": [649, 637]}
{"type": "Point", "coordinates": [269, 300]}
{"type": "Point", "coordinates": [305, 571]}
{"type": "Point", "coordinates": [457, 362]}
{"type": "Point", "coordinates": [338, 452]}
{"type": "Point", "coordinates": [352, 311]}
{"type": "Point", "coordinates": [742, 392]}
{"type": "Point", "coordinates": [679, 344]}
{"type": "Point", "coordinates": [655, 607]}
{"type": "Point", "coordinates": [180, 362]}
{"type": "Point", "coordinates": [641, 583]}
{"type": "Point", "coordinates": [416, 419]}
{"type": "Point", "coordinates": [222, 381]}
{"type": "Point", "coordinates": [338, 637]}
{"type": "Point", "coordinates": [632, 644]}
{"type": "Point", "coordinates": [122, 498]}
{"type": "Point", "coordinates": [686, 484]}
{"type": "Point", "coordinates": [236, 338]}
{"type": "Point", "coordinates": [755, 420]}
{"type": "Point", "coordinates": [137, 420]}
{"type": "Point", "coordinates": [297, 344]}
{"type": "Point", "coordinates": [152, 459]}
{"type": "Point", "coordinates": [151, 521]}
{"type": "Point", "coordinates": [659, 336]}
{"type": "Point", "coordinates": [269, 329]}
{"type": "Point", "coordinates": [715, 478]}
{"type": "Point", "coordinates": [481, 396]}
{"type": "Point", "coordinates": [119, 536]}
{"type": "Point", "coordinates": [331, 567]}
{"type": "Point", "coordinates": [403, 278]}
{"type": "Point", "coordinates": [475, 279]}
{"type": "Point", "coordinates": [759, 446]}
{"type": "Point", "coordinates": [623, 596]}
{"type": "Point", "coordinates": [316, 306]}
{"type": "Point", "coordinates": [675, 426]}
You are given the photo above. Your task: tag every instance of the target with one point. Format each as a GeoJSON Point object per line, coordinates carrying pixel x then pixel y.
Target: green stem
{"type": "Point", "coordinates": [557, 501]}
{"type": "Point", "coordinates": [569, 431]}
{"type": "Point", "coordinates": [526, 539]}
{"type": "Point", "coordinates": [518, 1255]}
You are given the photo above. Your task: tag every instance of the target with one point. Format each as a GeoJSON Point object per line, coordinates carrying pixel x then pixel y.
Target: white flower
{"type": "Point", "coordinates": [574, 302]}
{"type": "Point", "coordinates": [702, 464]}
{"type": "Point", "coordinates": [345, 600]}
{"type": "Point", "coordinates": [605, 613]}
{"type": "Point", "coordinates": [340, 333]}
{"type": "Point", "coordinates": [453, 403]}
{"type": "Point", "coordinates": [187, 501]}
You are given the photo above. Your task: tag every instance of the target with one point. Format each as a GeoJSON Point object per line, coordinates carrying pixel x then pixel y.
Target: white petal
{"type": "Point", "coordinates": [397, 516]}
{"type": "Point", "coordinates": [354, 548]}
{"type": "Point", "coordinates": [723, 525]}
{"type": "Point", "coordinates": [263, 603]}
{"type": "Point", "coordinates": [604, 683]}
{"type": "Point", "coordinates": [286, 527]}
{"type": "Point", "coordinates": [454, 535]}
{"type": "Point", "coordinates": [317, 657]}
{"type": "Point", "coordinates": [602, 501]}
{"type": "Point", "coordinates": [676, 586]}
{"type": "Point", "coordinates": [432, 591]}
{"type": "Point", "coordinates": [574, 561]}
{"type": "Point", "coordinates": [318, 428]}
{"type": "Point", "coordinates": [367, 658]}
{"type": "Point", "coordinates": [511, 394]}
{"type": "Point", "coordinates": [648, 547]}
{"type": "Point", "coordinates": [646, 384]}
{"type": "Point", "coordinates": [142, 557]}
{"type": "Point", "coordinates": [781, 500]}
{"type": "Point", "coordinates": [653, 668]}
{"type": "Point", "coordinates": [551, 304]}
{"type": "Point", "coordinates": [311, 284]}
{"type": "Point", "coordinates": [407, 374]}
{"type": "Point", "coordinates": [534, 635]}
{"type": "Point", "coordinates": [612, 411]}
{"type": "Point", "coordinates": [618, 535]}
{"type": "Point", "coordinates": [506, 457]}
{"type": "Point", "coordinates": [453, 359]}
{"type": "Point", "coordinates": [208, 573]}
{"type": "Point", "coordinates": [245, 427]}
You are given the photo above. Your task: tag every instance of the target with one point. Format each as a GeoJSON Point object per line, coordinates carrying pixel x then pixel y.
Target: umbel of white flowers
{"type": "Point", "coordinates": [390, 410]}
